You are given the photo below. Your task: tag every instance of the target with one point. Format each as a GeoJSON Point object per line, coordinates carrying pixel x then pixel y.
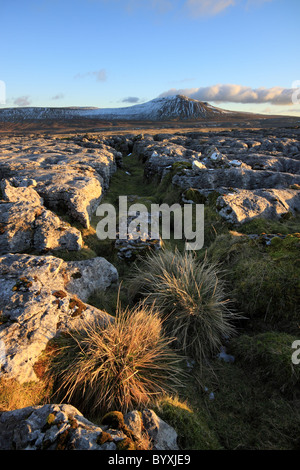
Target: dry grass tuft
{"type": "Point", "coordinates": [122, 366]}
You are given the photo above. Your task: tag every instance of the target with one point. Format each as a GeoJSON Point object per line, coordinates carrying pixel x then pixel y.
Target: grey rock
{"type": "Point", "coordinates": [137, 242]}
{"type": "Point", "coordinates": [243, 205]}
{"type": "Point", "coordinates": [47, 427]}
{"type": "Point", "coordinates": [134, 422]}
{"type": "Point", "coordinates": [78, 190]}
{"type": "Point", "coordinates": [196, 166]}
{"type": "Point", "coordinates": [164, 437]}
{"type": "Point", "coordinates": [50, 233]}
{"type": "Point", "coordinates": [36, 306]}
{"type": "Point", "coordinates": [63, 427]}
{"type": "Point", "coordinates": [235, 178]}
{"type": "Point", "coordinates": [22, 193]}
{"type": "Point", "coordinates": [63, 172]}
{"type": "Point", "coordinates": [26, 224]}
{"type": "Point", "coordinates": [88, 276]}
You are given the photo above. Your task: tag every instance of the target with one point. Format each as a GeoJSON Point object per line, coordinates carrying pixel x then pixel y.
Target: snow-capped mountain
{"type": "Point", "coordinates": [167, 108]}
{"type": "Point", "coordinates": [177, 107]}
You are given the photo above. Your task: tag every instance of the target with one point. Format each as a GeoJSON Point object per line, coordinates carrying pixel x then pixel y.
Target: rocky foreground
{"type": "Point", "coordinates": [63, 427]}
{"type": "Point", "coordinates": [47, 180]}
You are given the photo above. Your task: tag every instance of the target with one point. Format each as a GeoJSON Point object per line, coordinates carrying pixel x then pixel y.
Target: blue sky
{"type": "Point", "coordinates": [236, 54]}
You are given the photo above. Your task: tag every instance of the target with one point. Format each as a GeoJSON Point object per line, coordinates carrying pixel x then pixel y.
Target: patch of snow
{"type": "Point", "coordinates": [235, 162]}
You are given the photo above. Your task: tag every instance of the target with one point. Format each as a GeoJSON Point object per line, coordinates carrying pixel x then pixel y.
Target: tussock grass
{"type": "Point", "coordinates": [122, 366]}
{"type": "Point", "coordinates": [190, 296]}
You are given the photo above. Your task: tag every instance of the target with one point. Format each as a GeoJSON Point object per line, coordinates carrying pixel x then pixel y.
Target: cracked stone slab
{"type": "Point", "coordinates": [36, 305]}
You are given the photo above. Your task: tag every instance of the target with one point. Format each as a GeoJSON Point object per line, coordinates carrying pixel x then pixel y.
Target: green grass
{"type": "Point", "coordinates": [268, 355]}
{"type": "Point", "coordinates": [190, 423]}
{"type": "Point", "coordinates": [248, 414]}
{"type": "Point", "coordinates": [122, 184]}
{"type": "Point", "coordinates": [109, 299]}
{"type": "Point", "coordinates": [282, 226]}
{"type": "Point", "coordinates": [264, 280]}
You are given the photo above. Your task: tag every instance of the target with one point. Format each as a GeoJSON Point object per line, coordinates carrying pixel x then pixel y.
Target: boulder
{"type": "Point", "coordinates": [24, 192]}
{"type": "Point", "coordinates": [137, 243]}
{"type": "Point", "coordinates": [134, 422]}
{"type": "Point", "coordinates": [48, 427]}
{"type": "Point", "coordinates": [51, 233]}
{"type": "Point", "coordinates": [77, 190]}
{"type": "Point", "coordinates": [196, 166]}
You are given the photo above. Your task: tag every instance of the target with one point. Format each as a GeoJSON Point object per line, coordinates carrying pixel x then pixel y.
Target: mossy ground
{"type": "Point", "coordinates": [250, 414]}
{"type": "Point", "coordinates": [268, 356]}
{"type": "Point", "coordinates": [255, 401]}
{"type": "Point", "coordinates": [263, 279]}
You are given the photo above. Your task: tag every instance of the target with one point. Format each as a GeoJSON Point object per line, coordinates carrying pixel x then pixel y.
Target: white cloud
{"type": "Point", "coordinates": [229, 93]}
{"type": "Point", "coordinates": [22, 101]}
{"type": "Point", "coordinates": [59, 96]}
{"type": "Point", "coordinates": [100, 75]}
{"type": "Point", "coordinates": [194, 8]}
{"type": "Point", "coordinates": [161, 6]}
{"type": "Point", "coordinates": [208, 7]}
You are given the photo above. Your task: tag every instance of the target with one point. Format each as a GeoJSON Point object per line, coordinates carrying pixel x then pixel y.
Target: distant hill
{"type": "Point", "coordinates": [170, 108]}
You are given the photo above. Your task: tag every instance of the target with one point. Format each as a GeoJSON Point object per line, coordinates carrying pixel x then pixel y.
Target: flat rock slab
{"type": "Point", "coordinates": [239, 178]}
{"type": "Point", "coordinates": [68, 174]}
{"type": "Point", "coordinates": [74, 189]}
{"type": "Point", "coordinates": [258, 175]}
{"type": "Point", "coordinates": [243, 205]}
{"type": "Point", "coordinates": [26, 224]}
{"type": "Point", "coordinates": [36, 305]}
